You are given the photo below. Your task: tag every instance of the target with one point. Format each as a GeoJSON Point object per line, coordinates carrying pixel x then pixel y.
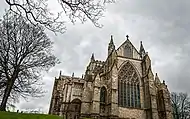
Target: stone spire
{"type": "Point", "coordinates": [92, 57]}
{"type": "Point", "coordinates": [111, 46]}
{"type": "Point", "coordinates": [157, 80]}
{"type": "Point", "coordinates": [73, 74]}
{"type": "Point", "coordinates": [142, 51]}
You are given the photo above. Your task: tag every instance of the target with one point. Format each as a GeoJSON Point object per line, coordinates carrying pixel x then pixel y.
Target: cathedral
{"type": "Point", "coordinates": [121, 87]}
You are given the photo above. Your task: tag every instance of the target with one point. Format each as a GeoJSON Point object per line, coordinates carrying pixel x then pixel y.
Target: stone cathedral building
{"type": "Point", "coordinates": [121, 87]}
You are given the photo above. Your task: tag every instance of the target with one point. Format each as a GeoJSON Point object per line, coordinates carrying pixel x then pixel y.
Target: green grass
{"type": "Point", "coordinates": [14, 115]}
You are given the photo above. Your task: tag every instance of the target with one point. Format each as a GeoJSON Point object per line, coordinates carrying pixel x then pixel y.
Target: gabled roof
{"type": "Point", "coordinates": [127, 41]}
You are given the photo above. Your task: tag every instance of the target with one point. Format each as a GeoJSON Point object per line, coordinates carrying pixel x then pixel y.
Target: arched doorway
{"type": "Point", "coordinates": [74, 109]}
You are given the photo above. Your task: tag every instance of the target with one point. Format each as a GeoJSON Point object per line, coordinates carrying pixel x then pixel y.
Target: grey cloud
{"type": "Point", "coordinates": [163, 27]}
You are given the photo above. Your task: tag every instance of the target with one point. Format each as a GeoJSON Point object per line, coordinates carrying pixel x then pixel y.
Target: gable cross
{"type": "Point", "coordinates": [127, 37]}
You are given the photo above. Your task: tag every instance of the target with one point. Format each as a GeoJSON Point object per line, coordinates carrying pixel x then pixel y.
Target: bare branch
{"type": "Point", "coordinates": [25, 50]}
{"type": "Point", "coordinates": [181, 105]}
{"type": "Point", "coordinates": [37, 12]}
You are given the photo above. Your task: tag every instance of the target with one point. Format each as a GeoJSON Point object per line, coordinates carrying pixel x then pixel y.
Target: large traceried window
{"type": "Point", "coordinates": [128, 87]}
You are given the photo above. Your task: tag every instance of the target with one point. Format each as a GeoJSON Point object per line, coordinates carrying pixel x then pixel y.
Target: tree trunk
{"type": "Point", "coordinates": [177, 114]}
{"type": "Point", "coordinates": [6, 94]}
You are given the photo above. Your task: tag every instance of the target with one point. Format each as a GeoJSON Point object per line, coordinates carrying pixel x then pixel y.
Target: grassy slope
{"type": "Point", "coordinates": [14, 115]}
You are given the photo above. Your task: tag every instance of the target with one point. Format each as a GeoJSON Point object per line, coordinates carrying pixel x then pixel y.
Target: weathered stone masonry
{"type": "Point", "coordinates": [121, 87]}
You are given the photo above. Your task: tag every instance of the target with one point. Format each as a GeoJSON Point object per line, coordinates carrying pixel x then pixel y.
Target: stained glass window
{"type": "Point", "coordinates": [128, 87]}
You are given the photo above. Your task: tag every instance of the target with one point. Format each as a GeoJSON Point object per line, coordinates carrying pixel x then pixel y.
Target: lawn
{"type": "Point", "coordinates": [14, 115]}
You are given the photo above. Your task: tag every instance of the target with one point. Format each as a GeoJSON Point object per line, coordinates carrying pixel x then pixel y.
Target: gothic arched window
{"type": "Point", "coordinates": [128, 87]}
{"type": "Point", "coordinates": [128, 51]}
{"type": "Point", "coordinates": [103, 95]}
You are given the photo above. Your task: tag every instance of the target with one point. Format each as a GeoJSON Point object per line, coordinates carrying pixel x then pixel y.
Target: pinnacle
{"type": "Point", "coordinates": [111, 41]}
{"type": "Point", "coordinates": [92, 57]}
{"type": "Point", "coordinates": [157, 80]}
{"type": "Point", "coordinates": [141, 51]}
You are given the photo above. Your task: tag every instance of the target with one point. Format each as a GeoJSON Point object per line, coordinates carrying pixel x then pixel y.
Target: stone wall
{"type": "Point", "coordinates": [120, 50]}
{"type": "Point", "coordinates": [128, 113]}
{"type": "Point", "coordinates": [99, 74]}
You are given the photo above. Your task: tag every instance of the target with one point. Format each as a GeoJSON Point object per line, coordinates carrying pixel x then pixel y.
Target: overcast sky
{"type": "Point", "coordinates": [162, 25]}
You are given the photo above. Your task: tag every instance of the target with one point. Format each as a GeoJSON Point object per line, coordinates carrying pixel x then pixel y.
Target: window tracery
{"type": "Point", "coordinates": [128, 87]}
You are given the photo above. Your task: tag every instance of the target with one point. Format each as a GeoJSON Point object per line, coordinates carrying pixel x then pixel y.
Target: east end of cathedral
{"type": "Point", "coordinates": [121, 87]}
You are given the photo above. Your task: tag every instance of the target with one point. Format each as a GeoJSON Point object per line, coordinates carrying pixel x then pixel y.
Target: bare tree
{"type": "Point", "coordinates": [25, 50]}
{"type": "Point", "coordinates": [181, 105]}
{"type": "Point", "coordinates": [36, 11]}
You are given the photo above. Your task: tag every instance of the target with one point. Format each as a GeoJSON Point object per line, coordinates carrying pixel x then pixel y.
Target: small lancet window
{"type": "Point", "coordinates": [103, 98]}
{"type": "Point", "coordinates": [103, 95]}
